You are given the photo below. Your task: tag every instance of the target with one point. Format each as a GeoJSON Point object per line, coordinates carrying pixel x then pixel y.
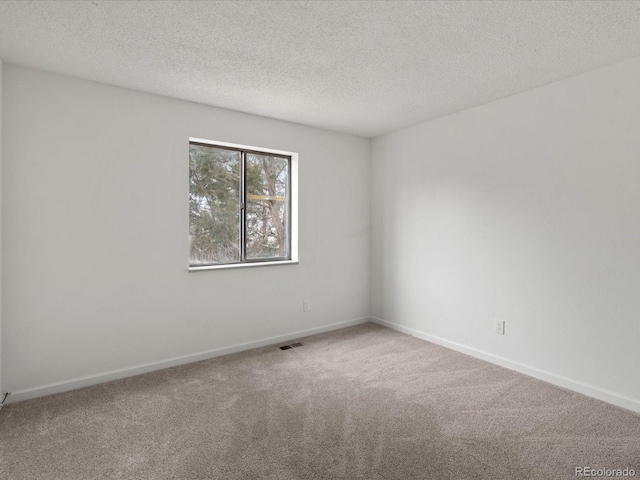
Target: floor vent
{"type": "Point", "coordinates": [293, 345]}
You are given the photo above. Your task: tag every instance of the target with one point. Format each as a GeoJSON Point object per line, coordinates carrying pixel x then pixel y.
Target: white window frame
{"type": "Point", "coordinates": [293, 215]}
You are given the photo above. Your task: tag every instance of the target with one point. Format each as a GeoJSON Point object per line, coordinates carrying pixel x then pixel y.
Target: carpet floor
{"type": "Point", "coordinates": [363, 402]}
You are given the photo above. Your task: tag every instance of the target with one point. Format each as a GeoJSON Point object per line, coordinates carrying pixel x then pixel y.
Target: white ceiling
{"type": "Point", "coordinates": [360, 67]}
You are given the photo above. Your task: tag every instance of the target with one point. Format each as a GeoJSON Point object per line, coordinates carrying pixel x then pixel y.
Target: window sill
{"type": "Point", "coordinates": [243, 265]}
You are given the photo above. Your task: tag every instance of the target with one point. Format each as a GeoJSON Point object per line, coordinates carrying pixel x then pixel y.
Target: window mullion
{"type": "Point", "coordinates": [243, 207]}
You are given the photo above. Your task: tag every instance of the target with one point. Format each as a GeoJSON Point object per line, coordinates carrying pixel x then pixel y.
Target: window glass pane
{"type": "Point", "coordinates": [267, 212]}
{"type": "Point", "coordinates": [214, 205]}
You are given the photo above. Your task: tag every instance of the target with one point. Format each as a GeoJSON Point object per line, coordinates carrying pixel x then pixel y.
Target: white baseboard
{"type": "Point", "coordinates": [576, 386]}
{"type": "Point", "coordinates": [89, 380]}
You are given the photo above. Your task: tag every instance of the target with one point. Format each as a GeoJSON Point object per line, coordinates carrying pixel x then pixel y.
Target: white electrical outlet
{"type": "Point", "coordinates": [306, 305]}
{"type": "Point", "coordinates": [498, 327]}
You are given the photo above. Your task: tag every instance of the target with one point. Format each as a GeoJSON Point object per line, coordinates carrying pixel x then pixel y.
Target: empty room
{"type": "Point", "coordinates": [298, 240]}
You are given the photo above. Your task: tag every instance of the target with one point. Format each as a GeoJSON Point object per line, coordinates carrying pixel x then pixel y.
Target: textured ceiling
{"type": "Point", "coordinates": [364, 68]}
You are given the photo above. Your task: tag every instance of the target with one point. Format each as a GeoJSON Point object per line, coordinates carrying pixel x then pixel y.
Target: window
{"type": "Point", "coordinates": [242, 205]}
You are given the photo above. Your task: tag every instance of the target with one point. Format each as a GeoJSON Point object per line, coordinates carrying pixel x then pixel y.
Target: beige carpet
{"type": "Point", "coordinates": [363, 403]}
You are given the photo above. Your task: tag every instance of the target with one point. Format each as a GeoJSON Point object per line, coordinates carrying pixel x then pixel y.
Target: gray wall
{"type": "Point", "coordinates": [526, 210]}
{"type": "Point", "coordinates": [96, 234]}
{"type": "Point", "coordinates": [1, 271]}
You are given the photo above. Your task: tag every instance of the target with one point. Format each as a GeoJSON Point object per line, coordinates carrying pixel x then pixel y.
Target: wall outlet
{"type": "Point", "coordinates": [498, 327]}
{"type": "Point", "coordinates": [306, 305]}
